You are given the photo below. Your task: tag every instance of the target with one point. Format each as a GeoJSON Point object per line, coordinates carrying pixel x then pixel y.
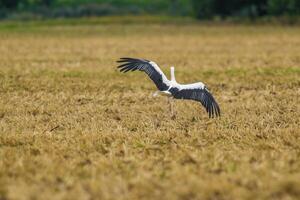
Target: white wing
{"type": "Point", "coordinates": [149, 67]}
{"type": "Point", "coordinates": [197, 92]}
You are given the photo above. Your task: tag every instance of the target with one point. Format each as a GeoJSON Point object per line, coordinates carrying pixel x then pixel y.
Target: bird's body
{"type": "Point", "coordinates": [195, 91]}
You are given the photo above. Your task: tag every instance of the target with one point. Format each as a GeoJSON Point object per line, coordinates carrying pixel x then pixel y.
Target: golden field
{"type": "Point", "coordinates": [73, 127]}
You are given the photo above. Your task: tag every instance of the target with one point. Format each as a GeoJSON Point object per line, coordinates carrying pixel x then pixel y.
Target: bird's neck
{"type": "Point", "coordinates": [173, 74]}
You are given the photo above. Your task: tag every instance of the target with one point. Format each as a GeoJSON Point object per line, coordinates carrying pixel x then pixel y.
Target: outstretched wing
{"type": "Point", "coordinates": [149, 67]}
{"type": "Point", "coordinates": [200, 94]}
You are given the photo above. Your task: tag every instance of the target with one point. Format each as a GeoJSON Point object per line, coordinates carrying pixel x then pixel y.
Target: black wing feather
{"type": "Point", "coordinates": [155, 74]}
{"type": "Point", "coordinates": [203, 96]}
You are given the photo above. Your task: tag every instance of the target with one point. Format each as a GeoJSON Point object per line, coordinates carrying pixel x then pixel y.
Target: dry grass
{"type": "Point", "coordinates": [72, 127]}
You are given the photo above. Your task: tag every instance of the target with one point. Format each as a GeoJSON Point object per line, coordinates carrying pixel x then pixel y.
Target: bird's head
{"type": "Point", "coordinates": [173, 73]}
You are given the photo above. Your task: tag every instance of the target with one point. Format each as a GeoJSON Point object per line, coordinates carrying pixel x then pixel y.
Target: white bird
{"type": "Point", "coordinates": [195, 91]}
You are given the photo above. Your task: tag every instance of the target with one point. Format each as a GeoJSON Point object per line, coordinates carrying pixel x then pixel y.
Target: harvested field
{"type": "Point", "coordinates": [73, 127]}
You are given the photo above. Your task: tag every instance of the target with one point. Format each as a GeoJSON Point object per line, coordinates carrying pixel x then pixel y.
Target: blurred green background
{"type": "Point", "coordinates": [200, 9]}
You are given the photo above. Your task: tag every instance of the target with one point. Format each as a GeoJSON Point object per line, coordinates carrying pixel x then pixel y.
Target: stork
{"type": "Point", "coordinates": [195, 91]}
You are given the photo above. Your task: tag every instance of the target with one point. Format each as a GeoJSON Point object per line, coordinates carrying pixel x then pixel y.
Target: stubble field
{"type": "Point", "coordinates": [73, 127]}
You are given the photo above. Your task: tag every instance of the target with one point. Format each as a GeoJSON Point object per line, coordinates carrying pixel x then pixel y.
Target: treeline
{"type": "Point", "coordinates": [201, 9]}
{"type": "Point", "coordinates": [245, 8]}
{"type": "Point", "coordinates": [80, 8]}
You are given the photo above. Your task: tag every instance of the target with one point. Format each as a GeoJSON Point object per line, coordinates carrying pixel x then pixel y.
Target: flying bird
{"type": "Point", "coordinates": [195, 91]}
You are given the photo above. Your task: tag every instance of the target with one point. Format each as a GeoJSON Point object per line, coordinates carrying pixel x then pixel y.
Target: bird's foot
{"type": "Point", "coordinates": [173, 116]}
{"type": "Point", "coordinates": [155, 94]}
